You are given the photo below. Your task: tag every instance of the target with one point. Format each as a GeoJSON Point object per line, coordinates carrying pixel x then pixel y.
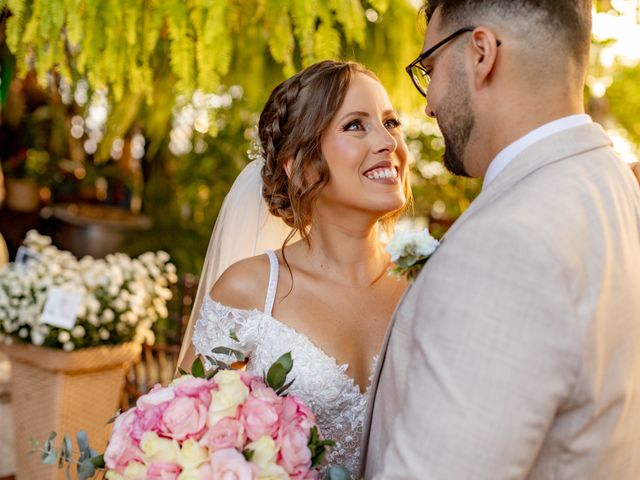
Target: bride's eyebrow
{"type": "Point", "coordinates": [366, 114]}
{"type": "Point", "coordinates": [354, 114]}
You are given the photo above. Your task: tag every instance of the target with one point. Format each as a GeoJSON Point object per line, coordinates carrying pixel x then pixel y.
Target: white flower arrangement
{"type": "Point", "coordinates": [119, 297]}
{"type": "Point", "coordinates": [409, 251]}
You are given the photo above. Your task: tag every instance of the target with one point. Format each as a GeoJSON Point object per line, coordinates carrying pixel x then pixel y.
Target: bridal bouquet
{"type": "Point", "coordinates": [230, 426]}
{"type": "Point", "coordinates": [409, 252]}
{"type": "Point", "coordinates": [55, 300]}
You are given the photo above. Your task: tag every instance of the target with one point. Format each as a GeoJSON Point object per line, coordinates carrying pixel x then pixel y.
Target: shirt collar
{"type": "Point", "coordinates": [513, 150]}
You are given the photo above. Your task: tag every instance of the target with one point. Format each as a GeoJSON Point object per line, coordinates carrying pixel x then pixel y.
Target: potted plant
{"type": "Point", "coordinates": [71, 327]}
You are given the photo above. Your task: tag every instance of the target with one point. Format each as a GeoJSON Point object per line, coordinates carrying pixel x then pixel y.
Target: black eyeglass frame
{"type": "Point", "coordinates": [418, 61]}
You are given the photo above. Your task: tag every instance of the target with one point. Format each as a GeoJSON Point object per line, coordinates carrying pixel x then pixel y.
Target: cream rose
{"type": "Point", "coordinates": [135, 471]}
{"type": "Point", "coordinates": [192, 454]}
{"type": "Point", "coordinates": [231, 393]}
{"type": "Point", "coordinates": [155, 448]}
{"type": "Point", "coordinates": [265, 451]}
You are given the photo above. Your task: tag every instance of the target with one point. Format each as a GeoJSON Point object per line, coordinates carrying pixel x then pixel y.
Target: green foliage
{"type": "Point", "coordinates": [206, 44]}
{"type": "Point", "coordinates": [88, 461]}
{"type": "Point", "coordinates": [277, 375]}
{"type": "Point", "coordinates": [624, 100]}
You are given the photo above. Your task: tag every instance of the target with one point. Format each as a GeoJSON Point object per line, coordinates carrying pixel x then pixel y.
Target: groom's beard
{"type": "Point", "coordinates": [456, 124]}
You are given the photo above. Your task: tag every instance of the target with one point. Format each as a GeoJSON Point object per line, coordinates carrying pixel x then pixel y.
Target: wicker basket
{"type": "Point", "coordinates": [64, 392]}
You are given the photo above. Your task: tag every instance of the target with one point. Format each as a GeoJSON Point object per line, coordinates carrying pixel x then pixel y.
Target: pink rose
{"type": "Point", "coordinates": [163, 471]}
{"type": "Point", "coordinates": [184, 417]}
{"type": "Point", "coordinates": [260, 417]}
{"type": "Point", "coordinates": [226, 433]}
{"type": "Point", "coordinates": [294, 412]}
{"type": "Point", "coordinates": [296, 456]}
{"type": "Point", "coordinates": [229, 464]}
{"type": "Point", "coordinates": [196, 388]}
{"type": "Point", "coordinates": [147, 419]}
{"type": "Point", "coordinates": [122, 449]}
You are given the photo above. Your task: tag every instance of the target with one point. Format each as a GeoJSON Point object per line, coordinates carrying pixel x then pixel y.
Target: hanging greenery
{"type": "Point", "coordinates": [118, 44]}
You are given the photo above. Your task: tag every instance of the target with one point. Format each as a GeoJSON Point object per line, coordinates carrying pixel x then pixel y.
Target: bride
{"type": "Point", "coordinates": [332, 172]}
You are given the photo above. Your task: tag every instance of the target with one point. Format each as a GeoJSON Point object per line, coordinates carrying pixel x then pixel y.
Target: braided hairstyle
{"type": "Point", "coordinates": [290, 129]}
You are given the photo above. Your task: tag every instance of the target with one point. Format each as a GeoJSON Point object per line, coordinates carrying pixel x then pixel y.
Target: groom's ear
{"type": "Point", "coordinates": [484, 51]}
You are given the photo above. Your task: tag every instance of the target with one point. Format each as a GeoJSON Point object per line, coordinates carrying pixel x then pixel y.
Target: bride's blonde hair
{"type": "Point", "coordinates": [290, 129]}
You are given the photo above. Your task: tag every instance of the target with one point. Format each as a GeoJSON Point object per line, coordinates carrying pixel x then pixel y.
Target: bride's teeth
{"type": "Point", "coordinates": [383, 173]}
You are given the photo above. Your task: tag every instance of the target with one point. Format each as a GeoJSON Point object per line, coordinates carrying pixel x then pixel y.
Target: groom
{"type": "Point", "coordinates": [516, 353]}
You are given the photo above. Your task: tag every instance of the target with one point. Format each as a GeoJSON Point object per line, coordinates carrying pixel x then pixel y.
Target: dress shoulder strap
{"type": "Point", "coordinates": [273, 281]}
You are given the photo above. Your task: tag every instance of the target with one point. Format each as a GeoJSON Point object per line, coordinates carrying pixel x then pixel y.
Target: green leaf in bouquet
{"type": "Point", "coordinates": [230, 352]}
{"type": "Point", "coordinates": [220, 365]}
{"type": "Point", "coordinates": [248, 454]}
{"type": "Point", "coordinates": [182, 371]}
{"type": "Point", "coordinates": [337, 473]}
{"type": "Point", "coordinates": [233, 335]}
{"type": "Point", "coordinates": [284, 389]}
{"type": "Point", "coordinates": [277, 374]}
{"type": "Point", "coordinates": [197, 368]}
{"type": "Point", "coordinates": [318, 458]}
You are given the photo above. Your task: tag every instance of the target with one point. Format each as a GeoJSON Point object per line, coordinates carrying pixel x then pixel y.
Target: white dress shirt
{"type": "Point", "coordinates": [513, 150]}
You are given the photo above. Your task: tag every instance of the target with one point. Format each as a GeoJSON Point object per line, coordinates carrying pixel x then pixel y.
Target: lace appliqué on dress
{"type": "Point", "coordinates": [319, 380]}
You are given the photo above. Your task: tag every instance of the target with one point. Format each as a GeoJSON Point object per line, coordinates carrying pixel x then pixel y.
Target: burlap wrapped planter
{"type": "Point", "coordinates": [53, 390]}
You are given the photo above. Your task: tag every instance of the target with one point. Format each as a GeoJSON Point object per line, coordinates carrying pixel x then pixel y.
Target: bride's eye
{"type": "Point", "coordinates": [353, 126]}
{"type": "Point", "coordinates": [392, 123]}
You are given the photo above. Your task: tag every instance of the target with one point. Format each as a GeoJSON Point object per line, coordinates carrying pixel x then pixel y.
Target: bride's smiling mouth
{"type": "Point", "coordinates": [383, 172]}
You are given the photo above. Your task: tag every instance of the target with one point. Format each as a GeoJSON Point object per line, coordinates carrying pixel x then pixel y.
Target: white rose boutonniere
{"type": "Point", "coordinates": [409, 251]}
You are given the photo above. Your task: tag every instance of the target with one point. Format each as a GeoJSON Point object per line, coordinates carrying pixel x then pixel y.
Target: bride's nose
{"type": "Point", "coordinates": [384, 141]}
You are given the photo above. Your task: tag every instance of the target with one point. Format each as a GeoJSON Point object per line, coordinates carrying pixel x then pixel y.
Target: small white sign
{"type": "Point", "coordinates": [61, 309]}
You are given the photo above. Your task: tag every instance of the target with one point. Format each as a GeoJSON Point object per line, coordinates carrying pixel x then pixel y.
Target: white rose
{"type": "Point", "coordinates": [135, 471]}
{"type": "Point", "coordinates": [231, 393]}
{"type": "Point", "coordinates": [23, 333]}
{"type": "Point", "coordinates": [192, 454]}
{"type": "Point", "coordinates": [68, 346]}
{"type": "Point", "coordinates": [104, 334]}
{"type": "Point", "coordinates": [265, 451]}
{"type": "Point", "coordinates": [155, 448]}
{"type": "Point", "coordinates": [108, 316]}
{"type": "Point", "coordinates": [273, 471]}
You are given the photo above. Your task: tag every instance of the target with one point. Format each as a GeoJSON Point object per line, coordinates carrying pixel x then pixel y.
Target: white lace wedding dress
{"type": "Point", "coordinates": [323, 384]}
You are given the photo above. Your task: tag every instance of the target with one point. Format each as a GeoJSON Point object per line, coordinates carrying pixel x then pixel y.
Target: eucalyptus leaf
{"type": "Point", "coordinates": [86, 469]}
{"type": "Point", "coordinates": [337, 473]}
{"type": "Point", "coordinates": [49, 457]}
{"type": "Point", "coordinates": [67, 448]}
{"type": "Point", "coordinates": [233, 335]}
{"type": "Point", "coordinates": [83, 444]}
{"type": "Point", "coordinates": [197, 368]}
{"type": "Point", "coordinates": [182, 371]}
{"type": "Point", "coordinates": [319, 458]}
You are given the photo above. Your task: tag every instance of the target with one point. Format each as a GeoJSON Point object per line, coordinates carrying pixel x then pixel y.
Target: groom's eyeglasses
{"type": "Point", "coordinates": [418, 73]}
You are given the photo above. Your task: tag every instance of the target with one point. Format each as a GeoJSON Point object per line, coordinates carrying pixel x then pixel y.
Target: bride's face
{"type": "Point", "coordinates": [365, 151]}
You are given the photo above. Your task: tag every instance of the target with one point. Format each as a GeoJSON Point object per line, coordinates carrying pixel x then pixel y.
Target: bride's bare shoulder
{"type": "Point", "coordinates": [244, 284]}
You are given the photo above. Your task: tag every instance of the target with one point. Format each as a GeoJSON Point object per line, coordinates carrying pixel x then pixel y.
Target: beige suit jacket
{"type": "Point", "coordinates": [516, 353]}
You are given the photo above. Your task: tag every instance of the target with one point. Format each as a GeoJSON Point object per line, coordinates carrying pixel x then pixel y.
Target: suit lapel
{"type": "Point", "coordinates": [557, 147]}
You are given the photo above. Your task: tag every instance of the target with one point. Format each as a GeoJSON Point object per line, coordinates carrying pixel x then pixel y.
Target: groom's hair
{"type": "Point", "coordinates": [566, 23]}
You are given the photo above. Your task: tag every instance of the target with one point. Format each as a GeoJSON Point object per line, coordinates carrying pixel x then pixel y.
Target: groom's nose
{"type": "Point", "coordinates": [429, 111]}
